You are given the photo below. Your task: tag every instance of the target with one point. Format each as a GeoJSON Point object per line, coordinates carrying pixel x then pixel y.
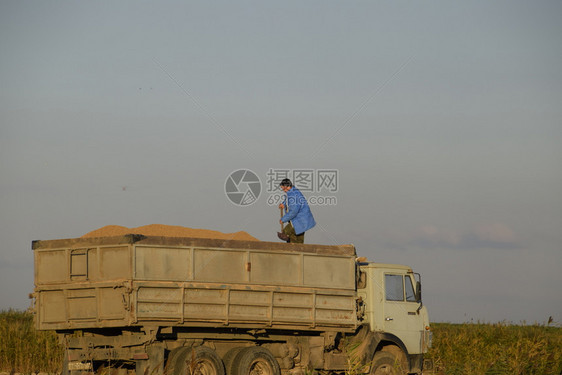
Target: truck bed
{"type": "Point", "coordinates": [137, 280]}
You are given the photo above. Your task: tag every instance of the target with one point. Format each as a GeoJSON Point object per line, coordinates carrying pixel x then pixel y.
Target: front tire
{"type": "Point", "coordinates": [385, 363]}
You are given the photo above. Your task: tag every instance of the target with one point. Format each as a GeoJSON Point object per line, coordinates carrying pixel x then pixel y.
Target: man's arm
{"type": "Point", "coordinates": [294, 208]}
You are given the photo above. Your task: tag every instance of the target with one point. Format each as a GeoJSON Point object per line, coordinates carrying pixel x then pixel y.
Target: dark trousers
{"type": "Point", "coordinates": [293, 237]}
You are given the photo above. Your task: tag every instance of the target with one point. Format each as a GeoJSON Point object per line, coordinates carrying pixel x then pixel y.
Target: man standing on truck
{"type": "Point", "coordinates": [297, 214]}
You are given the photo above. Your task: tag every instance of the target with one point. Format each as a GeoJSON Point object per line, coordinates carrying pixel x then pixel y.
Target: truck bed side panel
{"type": "Point", "coordinates": [190, 282]}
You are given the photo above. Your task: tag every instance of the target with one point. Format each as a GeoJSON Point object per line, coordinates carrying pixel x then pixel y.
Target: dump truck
{"type": "Point", "coordinates": [145, 305]}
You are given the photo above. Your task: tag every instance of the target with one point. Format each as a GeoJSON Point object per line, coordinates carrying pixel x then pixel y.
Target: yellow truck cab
{"type": "Point", "coordinates": [394, 310]}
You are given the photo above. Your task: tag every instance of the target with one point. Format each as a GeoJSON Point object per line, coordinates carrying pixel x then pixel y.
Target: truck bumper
{"type": "Point", "coordinates": [416, 363]}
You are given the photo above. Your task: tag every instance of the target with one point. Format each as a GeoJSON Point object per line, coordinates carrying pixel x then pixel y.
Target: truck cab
{"type": "Point", "coordinates": [394, 311]}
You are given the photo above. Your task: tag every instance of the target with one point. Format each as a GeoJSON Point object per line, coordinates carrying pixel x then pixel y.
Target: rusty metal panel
{"type": "Point", "coordinates": [329, 272]}
{"type": "Point", "coordinates": [133, 280]}
{"type": "Point", "coordinates": [153, 310]}
{"type": "Point", "coordinates": [342, 250]}
{"type": "Point", "coordinates": [162, 263]}
{"type": "Point", "coordinates": [248, 313]}
{"type": "Point", "coordinates": [93, 265]}
{"type": "Point", "coordinates": [250, 305]}
{"type": "Point", "coordinates": [158, 302]}
{"type": "Point", "coordinates": [79, 307]}
{"type": "Point", "coordinates": [271, 268]}
{"type": "Point", "coordinates": [204, 303]}
{"type": "Point", "coordinates": [221, 266]}
{"type": "Point", "coordinates": [52, 306]}
{"type": "Point", "coordinates": [250, 297]}
{"type": "Point", "coordinates": [159, 293]}
{"type": "Point", "coordinates": [334, 316]}
{"type": "Point", "coordinates": [334, 309]}
{"type": "Point", "coordinates": [211, 312]}
{"type": "Point", "coordinates": [293, 314]}
{"type": "Point", "coordinates": [330, 301]}
{"type": "Point", "coordinates": [79, 264]}
{"type": "Point", "coordinates": [81, 303]}
{"type": "Point", "coordinates": [50, 266]}
{"type": "Point", "coordinates": [276, 268]}
{"type": "Point", "coordinates": [212, 303]}
{"type": "Point", "coordinates": [293, 299]}
{"type": "Point", "coordinates": [112, 303]}
{"type": "Point", "coordinates": [206, 296]}
{"type": "Point", "coordinates": [115, 263]}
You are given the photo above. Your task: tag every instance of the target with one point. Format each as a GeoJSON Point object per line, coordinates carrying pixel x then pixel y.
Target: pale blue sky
{"type": "Point", "coordinates": [443, 119]}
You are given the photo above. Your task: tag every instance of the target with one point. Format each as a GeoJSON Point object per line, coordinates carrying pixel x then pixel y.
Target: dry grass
{"type": "Point", "coordinates": [499, 348]}
{"type": "Point", "coordinates": [467, 349]}
{"type": "Point", "coordinates": [23, 349]}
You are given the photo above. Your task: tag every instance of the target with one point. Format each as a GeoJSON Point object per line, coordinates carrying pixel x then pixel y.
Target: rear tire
{"type": "Point", "coordinates": [195, 361]}
{"type": "Point", "coordinates": [229, 357]}
{"type": "Point", "coordinates": [255, 360]}
{"type": "Point", "coordinates": [385, 363]}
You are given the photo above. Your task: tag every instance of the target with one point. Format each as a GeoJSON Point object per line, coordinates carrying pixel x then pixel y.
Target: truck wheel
{"type": "Point", "coordinates": [229, 357]}
{"type": "Point", "coordinates": [386, 363]}
{"type": "Point", "coordinates": [255, 360]}
{"type": "Point", "coordinates": [196, 361]}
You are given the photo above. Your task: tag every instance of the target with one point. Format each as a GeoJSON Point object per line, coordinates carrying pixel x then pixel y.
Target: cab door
{"type": "Point", "coordinates": [401, 315]}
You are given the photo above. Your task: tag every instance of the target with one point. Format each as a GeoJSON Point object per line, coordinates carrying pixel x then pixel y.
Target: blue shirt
{"type": "Point", "coordinates": [299, 213]}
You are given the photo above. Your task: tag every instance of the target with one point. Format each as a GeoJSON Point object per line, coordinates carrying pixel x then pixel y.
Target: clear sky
{"type": "Point", "coordinates": [443, 120]}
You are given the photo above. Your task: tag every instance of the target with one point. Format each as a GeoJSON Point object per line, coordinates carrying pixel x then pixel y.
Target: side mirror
{"type": "Point", "coordinates": [418, 292]}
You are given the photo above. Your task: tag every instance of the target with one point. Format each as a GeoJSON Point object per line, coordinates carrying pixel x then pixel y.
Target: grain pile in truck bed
{"type": "Point", "coordinates": [168, 231]}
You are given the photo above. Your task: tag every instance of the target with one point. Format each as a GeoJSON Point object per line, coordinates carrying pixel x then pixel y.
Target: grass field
{"type": "Point", "coordinates": [486, 349]}
{"type": "Point", "coordinates": [23, 349]}
{"type": "Point", "coordinates": [496, 349]}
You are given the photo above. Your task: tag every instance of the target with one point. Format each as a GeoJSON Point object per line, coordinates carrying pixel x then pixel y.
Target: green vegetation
{"type": "Point", "coordinates": [499, 348]}
{"type": "Point", "coordinates": [457, 348]}
{"type": "Point", "coordinates": [23, 349]}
